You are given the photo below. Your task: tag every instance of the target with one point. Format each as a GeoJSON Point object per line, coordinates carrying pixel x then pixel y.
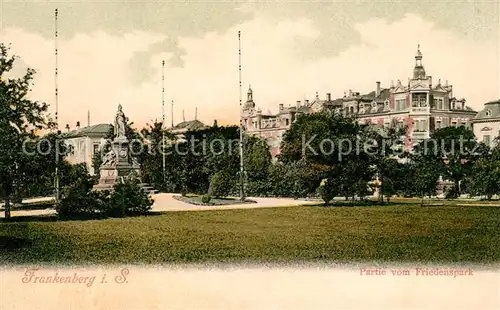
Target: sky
{"type": "Point", "coordinates": [111, 53]}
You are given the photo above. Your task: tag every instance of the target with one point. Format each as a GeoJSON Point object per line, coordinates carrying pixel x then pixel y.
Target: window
{"type": "Point", "coordinates": [439, 124]}
{"type": "Point", "coordinates": [454, 124]}
{"type": "Point", "coordinates": [439, 103]}
{"type": "Point", "coordinates": [400, 104]}
{"type": "Point", "coordinates": [96, 148]}
{"type": "Point", "coordinates": [487, 139]}
{"type": "Point", "coordinates": [488, 113]}
{"type": "Point", "coordinates": [287, 122]}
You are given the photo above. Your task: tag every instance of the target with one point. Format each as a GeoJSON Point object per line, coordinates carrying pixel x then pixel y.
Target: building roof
{"type": "Point", "coordinates": [491, 110]}
{"type": "Point", "coordinates": [94, 131]}
{"type": "Point", "coordinates": [383, 96]}
{"type": "Point", "coordinates": [189, 125]}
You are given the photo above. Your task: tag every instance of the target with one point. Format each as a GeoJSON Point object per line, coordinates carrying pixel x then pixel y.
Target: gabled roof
{"type": "Point", "coordinates": [89, 131]}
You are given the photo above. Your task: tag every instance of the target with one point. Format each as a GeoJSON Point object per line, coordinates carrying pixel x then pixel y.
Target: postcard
{"type": "Point", "coordinates": [249, 155]}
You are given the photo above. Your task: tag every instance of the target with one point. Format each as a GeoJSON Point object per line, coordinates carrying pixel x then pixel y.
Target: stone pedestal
{"type": "Point", "coordinates": [118, 169]}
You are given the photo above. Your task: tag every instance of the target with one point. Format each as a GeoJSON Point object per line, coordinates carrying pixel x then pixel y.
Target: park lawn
{"type": "Point", "coordinates": [279, 235]}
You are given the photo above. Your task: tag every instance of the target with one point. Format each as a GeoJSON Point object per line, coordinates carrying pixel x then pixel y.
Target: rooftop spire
{"type": "Point", "coordinates": [418, 71]}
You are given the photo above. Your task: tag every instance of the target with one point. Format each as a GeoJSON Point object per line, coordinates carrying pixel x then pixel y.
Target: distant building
{"type": "Point", "coordinates": [86, 142]}
{"type": "Point", "coordinates": [486, 124]}
{"type": "Point", "coordinates": [420, 105]}
{"type": "Point", "coordinates": [185, 126]}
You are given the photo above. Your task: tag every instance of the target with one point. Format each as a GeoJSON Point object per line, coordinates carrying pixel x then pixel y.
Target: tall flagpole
{"type": "Point", "coordinates": [163, 126]}
{"type": "Point", "coordinates": [242, 170]}
{"type": "Point", "coordinates": [56, 92]}
{"type": "Point", "coordinates": [172, 114]}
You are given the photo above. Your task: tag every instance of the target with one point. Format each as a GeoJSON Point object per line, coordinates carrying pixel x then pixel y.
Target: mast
{"type": "Point", "coordinates": [242, 170]}
{"type": "Point", "coordinates": [56, 94]}
{"type": "Point", "coordinates": [172, 114]}
{"type": "Point", "coordinates": [163, 117]}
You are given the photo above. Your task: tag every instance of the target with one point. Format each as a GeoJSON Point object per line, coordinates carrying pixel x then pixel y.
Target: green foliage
{"type": "Point", "coordinates": [206, 199]}
{"type": "Point", "coordinates": [128, 198]}
{"type": "Point", "coordinates": [220, 184]}
{"type": "Point", "coordinates": [484, 178]}
{"type": "Point", "coordinates": [327, 190]}
{"type": "Point", "coordinates": [77, 198]}
{"type": "Point", "coordinates": [19, 118]}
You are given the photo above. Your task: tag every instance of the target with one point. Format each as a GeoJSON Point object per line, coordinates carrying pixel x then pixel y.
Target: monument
{"type": "Point", "coordinates": [116, 167]}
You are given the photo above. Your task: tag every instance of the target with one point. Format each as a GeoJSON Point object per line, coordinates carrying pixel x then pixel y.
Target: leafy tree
{"type": "Point", "coordinates": [257, 158]}
{"type": "Point", "coordinates": [330, 141]}
{"type": "Point", "coordinates": [423, 173]}
{"type": "Point", "coordinates": [19, 118]}
{"type": "Point", "coordinates": [484, 178]}
{"type": "Point", "coordinates": [388, 149]}
{"type": "Point", "coordinates": [454, 149]}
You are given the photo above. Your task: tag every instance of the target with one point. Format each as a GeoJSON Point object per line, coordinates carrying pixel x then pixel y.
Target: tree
{"type": "Point", "coordinates": [257, 158]}
{"type": "Point", "coordinates": [389, 147]}
{"type": "Point", "coordinates": [423, 173]}
{"type": "Point", "coordinates": [454, 149]}
{"type": "Point", "coordinates": [484, 178]}
{"type": "Point", "coordinates": [330, 141]}
{"type": "Point", "coordinates": [20, 117]}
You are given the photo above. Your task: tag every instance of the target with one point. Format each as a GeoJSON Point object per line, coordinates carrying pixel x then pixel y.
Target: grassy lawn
{"type": "Point", "coordinates": [384, 233]}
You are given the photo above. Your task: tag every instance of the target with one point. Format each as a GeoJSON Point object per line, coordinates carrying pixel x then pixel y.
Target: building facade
{"type": "Point", "coordinates": [486, 124]}
{"type": "Point", "coordinates": [420, 104]}
{"type": "Point", "coordinates": [85, 142]}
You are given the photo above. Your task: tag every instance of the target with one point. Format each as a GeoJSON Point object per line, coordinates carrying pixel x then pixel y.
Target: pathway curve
{"type": "Point", "coordinates": [165, 202]}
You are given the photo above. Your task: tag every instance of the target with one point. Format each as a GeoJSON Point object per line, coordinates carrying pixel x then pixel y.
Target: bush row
{"type": "Point", "coordinates": [79, 201]}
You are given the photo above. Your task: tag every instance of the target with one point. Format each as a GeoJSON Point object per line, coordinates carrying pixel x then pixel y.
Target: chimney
{"type": "Point", "coordinates": [215, 123]}
{"type": "Point", "coordinates": [350, 92]}
{"type": "Point", "coordinates": [281, 106]}
{"type": "Point", "coordinates": [328, 97]}
{"type": "Point", "coordinates": [77, 125]}
{"type": "Point", "coordinates": [378, 90]}
{"type": "Point", "coordinates": [298, 103]}
{"type": "Point", "coordinates": [307, 102]}
{"type": "Point", "coordinates": [67, 127]}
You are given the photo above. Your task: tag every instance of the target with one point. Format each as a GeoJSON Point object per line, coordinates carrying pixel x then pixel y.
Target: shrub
{"type": "Point", "coordinates": [206, 198]}
{"type": "Point", "coordinates": [77, 202]}
{"type": "Point", "coordinates": [128, 198]}
{"type": "Point", "coordinates": [327, 190]}
{"type": "Point", "coordinates": [220, 184]}
{"type": "Point", "coordinates": [77, 199]}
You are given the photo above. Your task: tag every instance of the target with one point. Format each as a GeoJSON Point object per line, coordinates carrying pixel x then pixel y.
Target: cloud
{"type": "Point", "coordinates": [96, 68]}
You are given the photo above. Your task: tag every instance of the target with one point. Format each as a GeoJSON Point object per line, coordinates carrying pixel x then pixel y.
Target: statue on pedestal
{"type": "Point", "coordinates": [120, 121]}
{"type": "Point", "coordinates": [115, 166]}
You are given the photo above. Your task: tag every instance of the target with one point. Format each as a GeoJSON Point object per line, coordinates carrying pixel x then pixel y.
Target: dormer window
{"type": "Point", "coordinates": [488, 113]}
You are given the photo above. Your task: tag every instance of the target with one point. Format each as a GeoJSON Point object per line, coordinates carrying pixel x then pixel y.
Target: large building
{"type": "Point", "coordinates": [487, 123]}
{"type": "Point", "coordinates": [86, 142]}
{"type": "Point", "coordinates": [420, 104]}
